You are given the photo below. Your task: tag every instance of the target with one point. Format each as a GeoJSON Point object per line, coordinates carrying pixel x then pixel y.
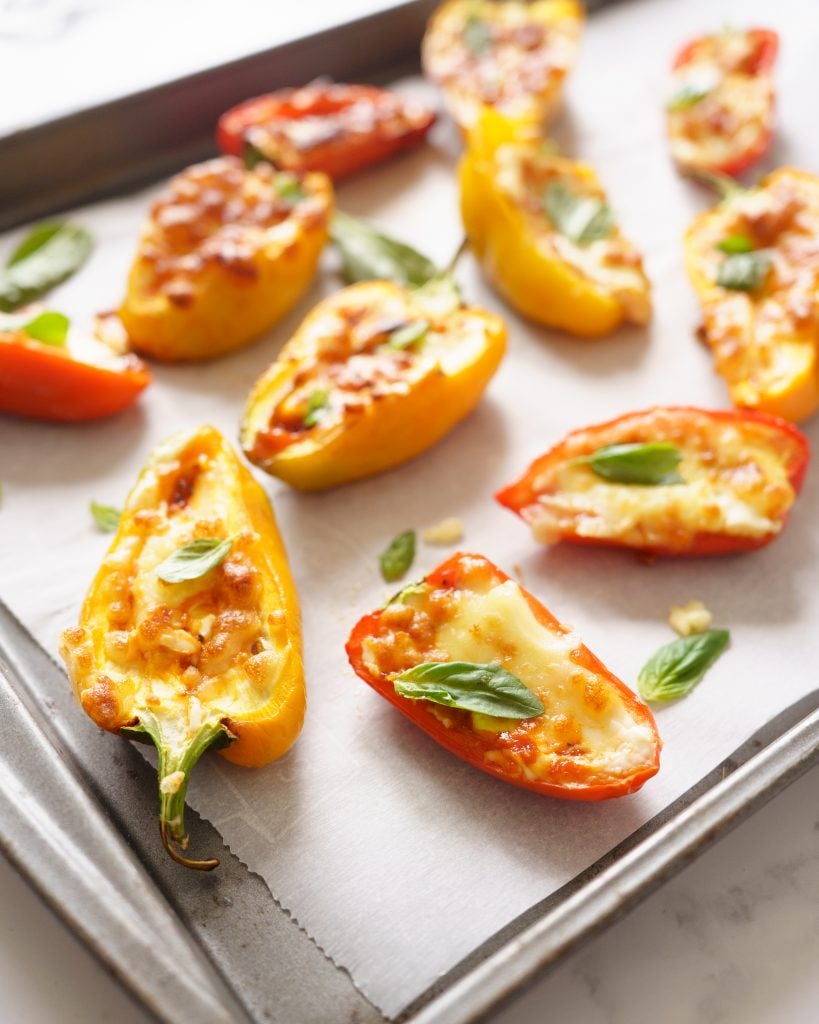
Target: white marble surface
{"type": "Point", "coordinates": [734, 939]}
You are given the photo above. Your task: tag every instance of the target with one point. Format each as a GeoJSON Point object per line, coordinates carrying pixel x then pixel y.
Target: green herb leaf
{"type": "Point", "coordinates": [48, 328]}
{"type": "Point", "coordinates": [486, 689]}
{"type": "Point", "coordinates": [652, 463]}
{"type": "Point", "coordinates": [409, 334]}
{"type": "Point", "coordinates": [194, 559]}
{"type": "Point", "coordinates": [409, 590]}
{"type": "Point", "coordinates": [317, 404]}
{"type": "Point", "coordinates": [727, 188]}
{"type": "Point", "coordinates": [688, 95]}
{"type": "Point", "coordinates": [735, 243]}
{"type": "Point", "coordinates": [583, 219]}
{"type": "Point", "coordinates": [49, 254]}
{"type": "Point", "coordinates": [439, 296]}
{"type": "Point", "coordinates": [369, 255]}
{"type": "Point", "coordinates": [744, 271]}
{"type": "Point", "coordinates": [477, 35]}
{"type": "Point", "coordinates": [105, 516]}
{"type": "Point", "coordinates": [675, 669]}
{"type": "Point", "coordinates": [253, 156]}
{"type": "Point", "coordinates": [398, 557]}
{"type": "Point", "coordinates": [289, 188]}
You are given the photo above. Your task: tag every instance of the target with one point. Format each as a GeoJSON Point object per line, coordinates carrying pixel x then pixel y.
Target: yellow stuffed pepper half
{"type": "Point", "coordinates": [225, 253]}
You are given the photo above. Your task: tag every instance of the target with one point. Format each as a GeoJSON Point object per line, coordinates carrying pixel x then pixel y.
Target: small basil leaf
{"type": "Point", "coordinates": [288, 187]}
{"type": "Point", "coordinates": [253, 156]}
{"type": "Point", "coordinates": [439, 296]}
{"type": "Point", "coordinates": [48, 255]}
{"type": "Point", "coordinates": [48, 328]}
{"type": "Point", "coordinates": [398, 556]}
{"type": "Point", "coordinates": [317, 404]}
{"type": "Point", "coordinates": [675, 669]}
{"type": "Point", "coordinates": [409, 334]}
{"type": "Point", "coordinates": [735, 243]}
{"type": "Point", "coordinates": [477, 35]}
{"type": "Point", "coordinates": [653, 463]}
{"type": "Point", "coordinates": [369, 255]}
{"type": "Point", "coordinates": [582, 219]}
{"type": "Point", "coordinates": [486, 689]}
{"type": "Point", "coordinates": [744, 271]}
{"type": "Point", "coordinates": [105, 516]}
{"type": "Point", "coordinates": [409, 590]}
{"type": "Point", "coordinates": [687, 96]}
{"type": "Point", "coordinates": [194, 559]}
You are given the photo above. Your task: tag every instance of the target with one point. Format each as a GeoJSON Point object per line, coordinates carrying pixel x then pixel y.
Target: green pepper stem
{"type": "Point", "coordinates": [176, 760]}
{"type": "Point", "coordinates": [453, 263]}
{"type": "Point", "coordinates": [727, 188]}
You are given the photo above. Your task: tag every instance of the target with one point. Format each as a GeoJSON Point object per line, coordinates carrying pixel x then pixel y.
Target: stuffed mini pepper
{"type": "Point", "coordinates": [754, 263]}
{"type": "Point", "coordinates": [545, 236]}
{"type": "Point", "coordinates": [666, 481]}
{"type": "Point", "coordinates": [482, 667]}
{"type": "Point", "coordinates": [325, 126]}
{"type": "Point", "coordinates": [226, 252]}
{"type": "Point", "coordinates": [190, 636]}
{"type": "Point", "coordinates": [720, 108]}
{"type": "Point", "coordinates": [51, 371]}
{"type": "Point", "coordinates": [505, 54]}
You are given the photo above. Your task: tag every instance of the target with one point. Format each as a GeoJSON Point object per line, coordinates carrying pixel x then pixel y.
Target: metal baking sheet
{"type": "Point", "coordinates": [238, 921]}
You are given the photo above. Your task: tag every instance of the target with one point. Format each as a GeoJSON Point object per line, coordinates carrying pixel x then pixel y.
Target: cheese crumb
{"type": "Point", "coordinates": [448, 531]}
{"type": "Point", "coordinates": [690, 618]}
{"type": "Point", "coordinates": [171, 783]}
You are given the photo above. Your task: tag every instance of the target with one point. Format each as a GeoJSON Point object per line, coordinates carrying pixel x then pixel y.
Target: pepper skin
{"type": "Point", "coordinates": [225, 253]}
{"type": "Point", "coordinates": [381, 405]}
{"type": "Point", "coordinates": [325, 126]}
{"type": "Point", "coordinates": [212, 660]}
{"type": "Point", "coordinates": [742, 472]}
{"type": "Point", "coordinates": [720, 113]}
{"type": "Point", "coordinates": [83, 380]}
{"type": "Point", "coordinates": [587, 289]}
{"type": "Point", "coordinates": [509, 55]}
{"type": "Point", "coordinates": [764, 340]}
{"type": "Point", "coordinates": [595, 741]}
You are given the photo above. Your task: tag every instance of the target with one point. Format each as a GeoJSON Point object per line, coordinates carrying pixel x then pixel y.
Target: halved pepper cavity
{"type": "Point", "coordinates": [224, 254]}
{"type": "Point", "coordinates": [211, 661]}
{"type": "Point", "coordinates": [81, 378]}
{"type": "Point", "coordinates": [511, 55]}
{"type": "Point", "coordinates": [736, 478]}
{"type": "Point", "coordinates": [325, 126]}
{"type": "Point", "coordinates": [720, 108]}
{"type": "Point", "coordinates": [543, 232]}
{"type": "Point", "coordinates": [376, 374]}
{"type": "Point", "coordinates": [593, 739]}
{"type": "Point", "coordinates": [754, 265]}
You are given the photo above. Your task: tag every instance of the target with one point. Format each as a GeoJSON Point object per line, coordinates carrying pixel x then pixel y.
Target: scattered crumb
{"type": "Point", "coordinates": [690, 618]}
{"type": "Point", "coordinates": [448, 531]}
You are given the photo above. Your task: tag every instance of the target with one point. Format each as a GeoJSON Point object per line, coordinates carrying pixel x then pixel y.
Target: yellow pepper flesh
{"type": "Point", "coordinates": [382, 404]}
{"type": "Point", "coordinates": [215, 659]}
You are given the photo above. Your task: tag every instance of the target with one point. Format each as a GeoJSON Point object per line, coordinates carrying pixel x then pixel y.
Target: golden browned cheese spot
{"type": "Point", "coordinates": [566, 730]}
{"type": "Point", "coordinates": [154, 624]}
{"type": "Point", "coordinates": [102, 704]}
{"type": "Point", "coordinates": [594, 694]}
{"type": "Point", "coordinates": [407, 634]}
{"type": "Point", "coordinates": [242, 580]}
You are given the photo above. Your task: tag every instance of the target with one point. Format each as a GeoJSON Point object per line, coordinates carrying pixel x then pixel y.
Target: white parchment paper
{"type": "Point", "coordinates": [393, 855]}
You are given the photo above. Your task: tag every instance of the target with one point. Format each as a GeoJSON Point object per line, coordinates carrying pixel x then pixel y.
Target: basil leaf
{"type": "Point", "coordinates": [368, 255]}
{"type": "Point", "coordinates": [439, 296]}
{"type": "Point", "coordinates": [735, 243]}
{"type": "Point", "coordinates": [744, 271]}
{"type": "Point", "coordinates": [409, 590]}
{"type": "Point", "coordinates": [194, 559]}
{"type": "Point", "coordinates": [398, 557]}
{"type": "Point", "coordinates": [688, 95]}
{"type": "Point", "coordinates": [253, 156]}
{"type": "Point", "coordinates": [651, 464]}
{"type": "Point", "coordinates": [49, 254]}
{"type": "Point", "coordinates": [317, 404]}
{"type": "Point", "coordinates": [409, 334]}
{"type": "Point", "coordinates": [675, 669]}
{"type": "Point", "coordinates": [288, 187]}
{"type": "Point", "coordinates": [105, 516]}
{"type": "Point", "coordinates": [583, 219]}
{"type": "Point", "coordinates": [477, 35]}
{"type": "Point", "coordinates": [487, 689]}
{"type": "Point", "coordinates": [48, 328]}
